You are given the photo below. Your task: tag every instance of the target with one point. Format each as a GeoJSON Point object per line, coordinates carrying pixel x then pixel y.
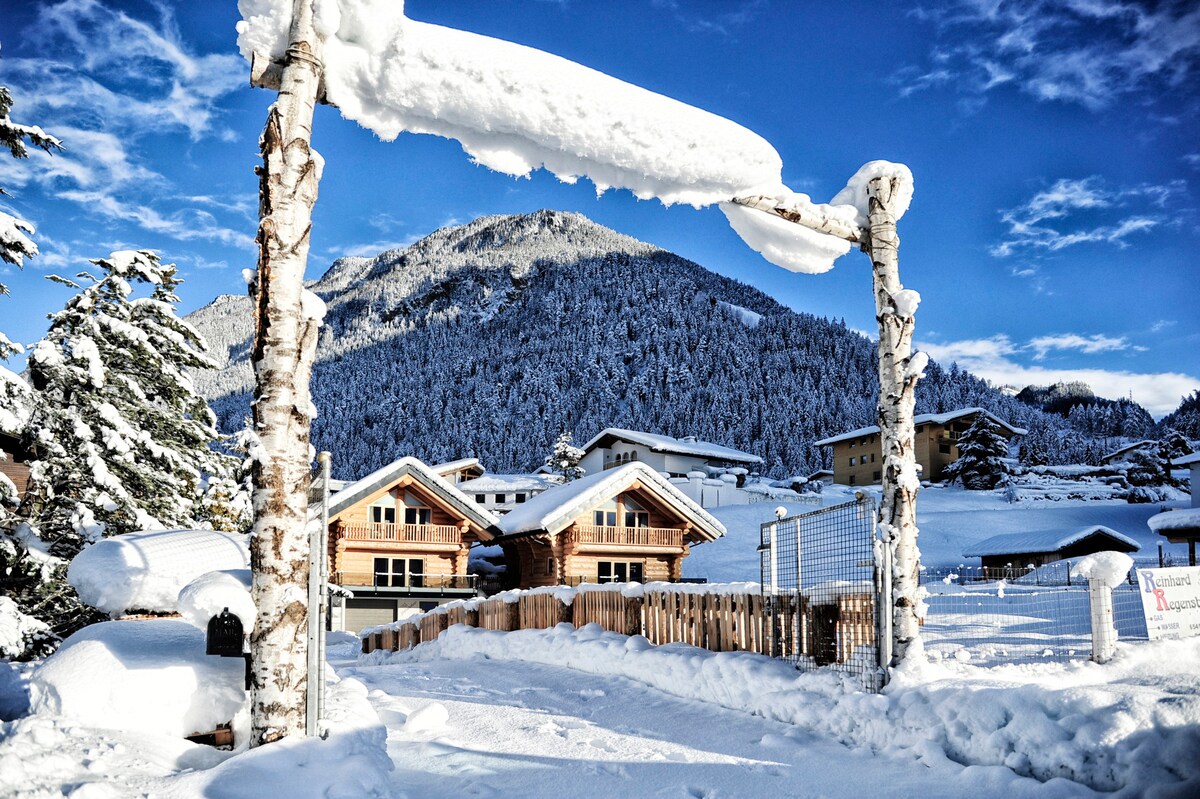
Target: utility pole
{"type": "Point", "coordinates": [284, 346]}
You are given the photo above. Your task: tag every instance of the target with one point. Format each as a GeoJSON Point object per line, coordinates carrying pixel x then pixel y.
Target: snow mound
{"type": "Point", "coordinates": [210, 593]}
{"type": "Point", "coordinates": [146, 571]}
{"type": "Point", "coordinates": [431, 718]}
{"type": "Point", "coordinates": [1109, 568]}
{"type": "Point", "coordinates": [146, 676]}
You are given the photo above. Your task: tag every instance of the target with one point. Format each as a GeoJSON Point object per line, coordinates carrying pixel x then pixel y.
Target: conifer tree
{"type": "Point", "coordinates": [981, 452]}
{"type": "Point", "coordinates": [564, 459]}
{"type": "Point", "coordinates": [120, 436]}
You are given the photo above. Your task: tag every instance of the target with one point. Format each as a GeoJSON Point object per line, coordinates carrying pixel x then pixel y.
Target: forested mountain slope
{"type": "Point", "coordinates": [490, 338]}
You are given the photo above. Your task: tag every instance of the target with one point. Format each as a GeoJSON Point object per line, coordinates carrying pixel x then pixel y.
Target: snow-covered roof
{"type": "Point", "coordinates": [1175, 520]}
{"type": "Point", "coordinates": [425, 475]}
{"type": "Point", "coordinates": [489, 483]}
{"type": "Point", "coordinates": [1187, 460]}
{"type": "Point", "coordinates": [145, 571]}
{"type": "Point", "coordinates": [1043, 541]}
{"type": "Point", "coordinates": [678, 446]}
{"type": "Point", "coordinates": [553, 510]}
{"type": "Point", "coordinates": [450, 467]}
{"type": "Point", "coordinates": [1117, 453]}
{"type": "Point", "coordinates": [924, 418]}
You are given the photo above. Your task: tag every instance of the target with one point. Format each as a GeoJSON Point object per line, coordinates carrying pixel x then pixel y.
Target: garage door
{"type": "Point", "coordinates": [362, 613]}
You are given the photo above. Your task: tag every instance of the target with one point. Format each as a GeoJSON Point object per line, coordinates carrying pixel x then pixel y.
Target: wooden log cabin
{"type": "Point", "coordinates": [623, 524]}
{"type": "Point", "coordinates": [399, 540]}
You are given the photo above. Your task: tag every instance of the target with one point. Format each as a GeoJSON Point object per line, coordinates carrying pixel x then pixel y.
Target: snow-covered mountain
{"type": "Point", "coordinates": [490, 338]}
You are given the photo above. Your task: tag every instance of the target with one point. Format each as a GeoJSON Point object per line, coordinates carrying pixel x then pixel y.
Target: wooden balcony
{"type": "Point", "coordinates": [405, 533]}
{"type": "Point", "coordinates": [459, 582]}
{"type": "Point", "coordinates": [629, 536]}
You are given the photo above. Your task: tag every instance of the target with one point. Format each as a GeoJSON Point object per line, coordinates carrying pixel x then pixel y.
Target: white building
{"type": "Point", "coordinates": [500, 493]}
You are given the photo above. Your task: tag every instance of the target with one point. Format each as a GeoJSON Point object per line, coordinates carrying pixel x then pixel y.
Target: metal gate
{"type": "Point", "coordinates": [821, 583]}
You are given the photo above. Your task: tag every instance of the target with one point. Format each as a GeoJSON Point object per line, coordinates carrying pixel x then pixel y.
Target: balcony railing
{"type": "Point", "coordinates": [405, 533]}
{"type": "Point", "coordinates": [629, 536]}
{"type": "Point", "coordinates": [427, 581]}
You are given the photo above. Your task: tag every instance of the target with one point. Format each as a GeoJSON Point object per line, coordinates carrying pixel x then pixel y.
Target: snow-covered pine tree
{"type": "Point", "coordinates": [120, 437]}
{"type": "Point", "coordinates": [15, 242]}
{"type": "Point", "coordinates": [565, 457]}
{"type": "Point", "coordinates": [981, 452]}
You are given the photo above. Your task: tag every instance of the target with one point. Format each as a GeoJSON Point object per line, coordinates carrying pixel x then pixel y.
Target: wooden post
{"type": "Point", "coordinates": [897, 512]}
{"type": "Point", "coordinates": [284, 344]}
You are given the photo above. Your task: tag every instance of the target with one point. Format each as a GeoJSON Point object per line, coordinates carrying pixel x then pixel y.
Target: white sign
{"type": "Point", "coordinates": [1171, 601]}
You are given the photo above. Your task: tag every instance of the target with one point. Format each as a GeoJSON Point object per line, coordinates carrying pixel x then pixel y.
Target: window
{"type": "Point", "coordinates": [872, 457]}
{"type": "Point", "coordinates": [852, 460]}
{"type": "Point", "coordinates": [416, 515]}
{"type": "Point", "coordinates": [605, 518]}
{"type": "Point", "coordinates": [944, 447]}
{"type": "Point", "coordinates": [618, 571]}
{"type": "Point", "coordinates": [875, 475]}
{"type": "Point", "coordinates": [518, 498]}
{"type": "Point", "coordinates": [549, 565]}
{"type": "Point", "coordinates": [852, 442]}
{"type": "Point", "coordinates": [633, 455]}
{"type": "Point", "coordinates": [851, 480]}
{"type": "Point", "coordinates": [920, 427]}
{"type": "Point", "coordinates": [480, 498]}
{"type": "Point", "coordinates": [383, 514]}
{"type": "Point", "coordinates": [637, 518]}
{"type": "Point", "coordinates": [399, 572]}
{"type": "Point", "coordinates": [500, 499]}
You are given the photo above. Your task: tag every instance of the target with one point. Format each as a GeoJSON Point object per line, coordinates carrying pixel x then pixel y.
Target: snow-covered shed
{"type": "Point", "coordinates": [617, 525]}
{"type": "Point", "coordinates": [1118, 455]}
{"type": "Point", "coordinates": [614, 446]}
{"type": "Point", "coordinates": [857, 454]}
{"type": "Point", "coordinates": [399, 540]}
{"type": "Point", "coordinates": [1034, 548]}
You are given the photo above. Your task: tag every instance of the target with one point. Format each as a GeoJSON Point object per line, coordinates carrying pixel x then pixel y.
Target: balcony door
{"type": "Point", "coordinates": [618, 571]}
{"type": "Point", "coordinates": [399, 572]}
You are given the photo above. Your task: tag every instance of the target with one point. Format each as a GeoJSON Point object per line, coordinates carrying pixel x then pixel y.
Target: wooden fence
{"type": "Point", "coordinates": [720, 622]}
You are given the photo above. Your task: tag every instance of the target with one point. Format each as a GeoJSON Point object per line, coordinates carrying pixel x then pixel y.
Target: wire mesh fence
{"type": "Point", "coordinates": [820, 583]}
{"type": "Point", "coordinates": [990, 617]}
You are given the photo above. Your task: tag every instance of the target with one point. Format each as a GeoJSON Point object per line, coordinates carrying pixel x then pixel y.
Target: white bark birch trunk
{"type": "Point", "coordinates": [897, 512]}
{"type": "Point", "coordinates": [284, 345]}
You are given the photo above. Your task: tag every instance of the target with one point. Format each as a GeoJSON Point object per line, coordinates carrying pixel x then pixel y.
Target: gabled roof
{"type": "Point", "coordinates": [679, 446]}
{"type": "Point", "coordinates": [1039, 541]}
{"type": "Point", "coordinates": [554, 509]}
{"type": "Point", "coordinates": [925, 418]}
{"type": "Point", "coordinates": [489, 483]}
{"type": "Point", "coordinates": [395, 471]}
{"type": "Point", "coordinates": [450, 467]}
{"type": "Point", "coordinates": [1116, 453]}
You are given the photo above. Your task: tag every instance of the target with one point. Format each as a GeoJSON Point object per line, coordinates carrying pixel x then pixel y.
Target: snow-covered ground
{"type": "Point", "coordinates": [949, 517]}
{"type": "Point", "coordinates": [585, 713]}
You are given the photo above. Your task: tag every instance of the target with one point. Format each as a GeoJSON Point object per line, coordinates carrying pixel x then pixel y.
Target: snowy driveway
{"type": "Point", "coordinates": [493, 728]}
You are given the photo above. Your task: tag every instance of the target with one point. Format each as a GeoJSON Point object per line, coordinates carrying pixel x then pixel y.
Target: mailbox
{"type": "Point", "coordinates": [224, 635]}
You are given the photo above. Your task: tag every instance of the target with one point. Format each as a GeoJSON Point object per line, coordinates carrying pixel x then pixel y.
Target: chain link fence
{"type": "Point", "coordinates": [820, 583]}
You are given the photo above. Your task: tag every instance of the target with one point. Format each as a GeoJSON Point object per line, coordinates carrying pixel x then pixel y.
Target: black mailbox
{"type": "Point", "coordinates": [224, 635]}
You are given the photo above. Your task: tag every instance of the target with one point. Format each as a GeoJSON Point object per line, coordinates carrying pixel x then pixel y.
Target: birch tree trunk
{"type": "Point", "coordinates": [284, 345]}
{"type": "Point", "coordinates": [897, 512]}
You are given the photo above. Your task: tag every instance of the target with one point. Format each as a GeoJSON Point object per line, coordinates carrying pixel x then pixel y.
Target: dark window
{"type": "Point", "coordinates": [427, 606]}
{"type": "Point", "coordinates": [637, 518]}
{"type": "Point", "coordinates": [416, 572]}
{"type": "Point", "coordinates": [875, 475]}
{"type": "Point", "coordinates": [872, 457]}
{"type": "Point", "coordinates": [518, 498]}
{"type": "Point", "coordinates": [602, 518]}
{"type": "Point", "coordinates": [399, 572]}
{"type": "Point", "coordinates": [618, 571]}
{"type": "Point", "coordinates": [944, 447]}
{"type": "Point", "coordinates": [500, 499]}
{"type": "Point", "coordinates": [381, 514]}
{"type": "Point", "coordinates": [481, 498]}
{"type": "Point", "coordinates": [851, 480]}
{"type": "Point", "coordinates": [549, 565]}
{"type": "Point", "coordinates": [416, 515]}
{"type": "Point", "coordinates": [851, 460]}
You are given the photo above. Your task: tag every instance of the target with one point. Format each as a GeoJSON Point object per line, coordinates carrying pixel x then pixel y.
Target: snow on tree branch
{"type": "Point", "coordinates": [515, 109]}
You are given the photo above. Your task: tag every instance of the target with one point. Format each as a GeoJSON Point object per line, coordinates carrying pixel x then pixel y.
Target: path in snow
{"type": "Point", "coordinates": [491, 728]}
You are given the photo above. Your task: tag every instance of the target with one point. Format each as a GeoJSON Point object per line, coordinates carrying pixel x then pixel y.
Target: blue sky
{"type": "Point", "coordinates": [1054, 144]}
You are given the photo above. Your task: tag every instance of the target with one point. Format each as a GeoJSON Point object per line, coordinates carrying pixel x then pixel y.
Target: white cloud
{"type": "Point", "coordinates": [369, 249]}
{"type": "Point", "coordinates": [1087, 52]}
{"type": "Point", "coordinates": [1072, 212]}
{"type": "Point", "coordinates": [186, 224]}
{"type": "Point", "coordinates": [1074, 341]}
{"type": "Point", "coordinates": [995, 360]}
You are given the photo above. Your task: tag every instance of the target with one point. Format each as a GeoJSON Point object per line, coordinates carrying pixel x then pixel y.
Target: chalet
{"type": "Point", "coordinates": [858, 459]}
{"type": "Point", "coordinates": [677, 457]}
{"type": "Point", "coordinates": [14, 462]}
{"type": "Point", "coordinates": [1182, 525]}
{"type": "Point", "coordinates": [616, 525]}
{"type": "Point", "coordinates": [500, 493]}
{"type": "Point", "coordinates": [1122, 454]}
{"type": "Point", "coordinates": [1019, 550]}
{"type": "Point", "coordinates": [399, 540]}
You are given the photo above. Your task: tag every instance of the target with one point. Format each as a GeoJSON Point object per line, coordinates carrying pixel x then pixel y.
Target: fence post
{"type": "Point", "coordinates": [1104, 631]}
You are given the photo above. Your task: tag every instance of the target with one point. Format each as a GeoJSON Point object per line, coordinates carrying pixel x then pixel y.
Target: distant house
{"type": "Point", "coordinates": [399, 540]}
{"type": "Point", "coordinates": [14, 464]}
{"type": "Point", "coordinates": [1018, 550]}
{"type": "Point", "coordinates": [613, 447]}
{"type": "Point", "coordinates": [616, 525]}
{"type": "Point", "coordinates": [857, 454]}
{"type": "Point", "coordinates": [1118, 455]}
{"type": "Point", "coordinates": [824, 476]}
{"type": "Point", "coordinates": [500, 493]}
{"type": "Point", "coordinates": [455, 472]}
